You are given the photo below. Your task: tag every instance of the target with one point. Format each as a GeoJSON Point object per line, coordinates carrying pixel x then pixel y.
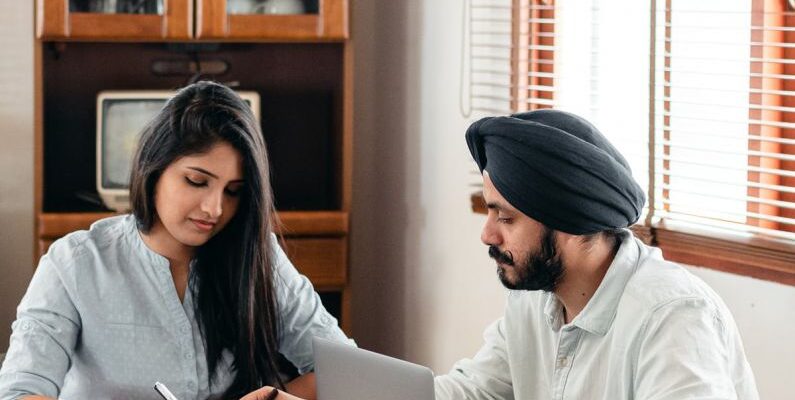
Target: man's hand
{"type": "Point", "coordinates": [264, 393]}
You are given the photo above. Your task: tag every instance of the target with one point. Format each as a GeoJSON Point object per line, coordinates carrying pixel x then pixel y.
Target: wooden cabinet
{"type": "Point", "coordinates": [191, 19]}
{"type": "Point", "coordinates": [300, 64]}
{"type": "Point", "coordinates": [324, 19]}
{"type": "Point", "coordinates": [73, 19]}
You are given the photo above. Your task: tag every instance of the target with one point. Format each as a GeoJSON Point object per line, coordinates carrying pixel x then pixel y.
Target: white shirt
{"type": "Point", "coordinates": [652, 330]}
{"type": "Point", "coordinates": [102, 320]}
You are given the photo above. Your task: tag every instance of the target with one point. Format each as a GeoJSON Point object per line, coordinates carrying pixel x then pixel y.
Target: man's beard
{"type": "Point", "coordinates": [541, 271]}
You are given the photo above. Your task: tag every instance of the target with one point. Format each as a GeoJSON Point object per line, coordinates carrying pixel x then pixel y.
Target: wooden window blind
{"type": "Point", "coordinates": [699, 96]}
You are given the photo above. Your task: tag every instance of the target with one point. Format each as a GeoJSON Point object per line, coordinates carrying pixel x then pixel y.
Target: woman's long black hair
{"type": "Point", "coordinates": [231, 276]}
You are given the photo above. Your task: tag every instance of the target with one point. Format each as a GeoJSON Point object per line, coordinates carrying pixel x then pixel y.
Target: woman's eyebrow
{"type": "Point", "coordinates": [206, 172]}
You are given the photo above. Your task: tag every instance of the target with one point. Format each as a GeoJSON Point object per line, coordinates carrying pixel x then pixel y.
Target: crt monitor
{"type": "Point", "coordinates": [121, 117]}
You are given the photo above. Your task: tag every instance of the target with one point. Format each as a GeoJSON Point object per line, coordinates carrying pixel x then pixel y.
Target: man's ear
{"type": "Point", "coordinates": [568, 243]}
{"type": "Point", "coordinates": [565, 239]}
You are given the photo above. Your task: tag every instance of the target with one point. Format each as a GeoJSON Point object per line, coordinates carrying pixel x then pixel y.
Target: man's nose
{"type": "Point", "coordinates": [490, 235]}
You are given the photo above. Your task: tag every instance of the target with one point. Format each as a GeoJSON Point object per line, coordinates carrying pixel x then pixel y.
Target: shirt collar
{"type": "Point", "coordinates": [598, 314]}
{"type": "Point", "coordinates": [137, 243]}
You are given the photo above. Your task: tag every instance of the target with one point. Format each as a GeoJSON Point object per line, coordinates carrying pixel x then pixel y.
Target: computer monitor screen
{"type": "Point", "coordinates": [121, 118]}
{"type": "Point", "coordinates": [123, 122]}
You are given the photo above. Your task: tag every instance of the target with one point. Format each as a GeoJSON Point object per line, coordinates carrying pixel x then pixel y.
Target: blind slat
{"type": "Point", "coordinates": [756, 138]}
{"type": "Point", "coordinates": [750, 106]}
{"type": "Point", "coordinates": [756, 185]}
{"type": "Point", "coordinates": [748, 199]}
{"type": "Point", "coordinates": [712, 150]}
{"type": "Point", "coordinates": [723, 225]}
{"type": "Point", "coordinates": [728, 214]}
{"type": "Point", "coordinates": [745, 168]}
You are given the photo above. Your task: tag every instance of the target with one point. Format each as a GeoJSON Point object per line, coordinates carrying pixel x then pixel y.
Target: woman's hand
{"type": "Point", "coordinates": [269, 393]}
{"type": "Point", "coordinates": [303, 386]}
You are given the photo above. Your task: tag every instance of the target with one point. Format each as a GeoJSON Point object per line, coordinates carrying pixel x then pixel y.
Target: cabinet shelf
{"type": "Point", "coordinates": [315, 241]}
{"type": "Point", "coordinates": [293, 223]}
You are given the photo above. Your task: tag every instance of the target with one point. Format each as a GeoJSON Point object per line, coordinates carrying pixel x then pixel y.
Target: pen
{"type": "Point", "coordinates": [272, 395]}
{"type": "Point", "coordinates": [163, 391]}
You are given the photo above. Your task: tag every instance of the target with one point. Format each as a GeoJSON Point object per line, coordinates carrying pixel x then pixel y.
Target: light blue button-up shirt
{"type": "Point", "coordinates": [102, 320]}
{"type": "Point", "coordinates": [652, 330]}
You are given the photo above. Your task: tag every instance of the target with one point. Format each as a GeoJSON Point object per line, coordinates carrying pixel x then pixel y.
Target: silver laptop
{"type": "Point", "coordinates": [345, 372]}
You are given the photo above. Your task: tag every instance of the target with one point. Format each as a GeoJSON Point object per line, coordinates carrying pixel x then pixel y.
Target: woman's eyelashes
{"type": "Point", "coordinates": [232, 191]}
{"type": "Point", "coordinates": [196, 182]}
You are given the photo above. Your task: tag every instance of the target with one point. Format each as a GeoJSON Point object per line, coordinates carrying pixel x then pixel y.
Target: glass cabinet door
{"type": "Point", "coordinates": [114, 19]}
{"type": "Point", "coordinates": [272, 19]}
{"type": "Point", "coordinates": [117, 6]}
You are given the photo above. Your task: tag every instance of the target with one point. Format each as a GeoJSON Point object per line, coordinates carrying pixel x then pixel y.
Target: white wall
{"type": "Point", "coordinates": [16, 158]}
{"type": "Point", "coordinates": [424, 287]}
{"type": "Point", "coordinates": [764, 314]}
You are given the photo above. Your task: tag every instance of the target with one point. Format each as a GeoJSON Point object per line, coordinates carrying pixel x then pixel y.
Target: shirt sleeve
{"type": "Point", "coordinates": [43, 337]}
{"type": "Point", "coordinates": [486, 376]}
{"type": "Point", "coordinates": [302, 314]}
{"type": "Point", "coordinates": [685, 353]}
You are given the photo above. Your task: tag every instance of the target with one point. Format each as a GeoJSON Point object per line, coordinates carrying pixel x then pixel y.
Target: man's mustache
{"type": "Point", "coordinates": [502, 258]}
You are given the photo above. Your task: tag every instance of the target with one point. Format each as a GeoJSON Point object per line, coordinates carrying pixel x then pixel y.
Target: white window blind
{"type": "Point", "coordinates": [724, 115]}
{"type": "Point", "coordinates": [698, 95]}
{"type": "Point", "coordinates": [511, 63]}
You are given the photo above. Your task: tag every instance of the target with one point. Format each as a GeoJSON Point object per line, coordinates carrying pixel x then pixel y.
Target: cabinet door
{"type": "Point", "coordinates": [114, 19]}
{"type": "Point", "coordinates": [272, 19]}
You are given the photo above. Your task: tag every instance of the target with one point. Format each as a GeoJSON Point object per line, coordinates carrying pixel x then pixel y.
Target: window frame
{"type": "Point", "coordinates": [752, 255]}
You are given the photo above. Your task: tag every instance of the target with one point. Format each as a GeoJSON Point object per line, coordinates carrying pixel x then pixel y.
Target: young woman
{"type": "Point", "coordinates": [191, 289]}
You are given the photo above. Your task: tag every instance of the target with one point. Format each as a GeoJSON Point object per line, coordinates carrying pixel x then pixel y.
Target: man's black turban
{"type": "Point", "coordinates": [558, 169]}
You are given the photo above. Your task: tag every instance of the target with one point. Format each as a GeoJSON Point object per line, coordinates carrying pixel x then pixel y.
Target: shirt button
{"type": "Point", "coordinates": [188, 355]}
{"type": "Point", "coordinates": [562, 362]}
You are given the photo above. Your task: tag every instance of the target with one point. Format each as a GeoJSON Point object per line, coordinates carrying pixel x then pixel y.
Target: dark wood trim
{"type": "Point", "coordinates": [762, 258]}
{"type": "Point", "coordinates": [758, 257]}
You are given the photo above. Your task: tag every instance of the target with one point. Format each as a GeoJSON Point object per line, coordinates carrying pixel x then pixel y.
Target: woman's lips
{"type": "Point", "coordinates": [203, 225]}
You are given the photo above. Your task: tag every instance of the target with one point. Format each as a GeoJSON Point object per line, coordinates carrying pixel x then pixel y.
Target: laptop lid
{"type": "Point", "coordinates": [344, 372]}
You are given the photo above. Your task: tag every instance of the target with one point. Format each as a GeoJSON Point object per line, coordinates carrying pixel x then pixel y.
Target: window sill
{"type": "Point", "coordinates": [772, 260]}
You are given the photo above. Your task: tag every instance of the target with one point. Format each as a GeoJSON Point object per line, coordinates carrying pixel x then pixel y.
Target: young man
{"type": "Point", "coordinates": [593, 313]}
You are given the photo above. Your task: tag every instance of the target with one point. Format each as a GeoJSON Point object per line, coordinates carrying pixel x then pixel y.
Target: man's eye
{"type": "Point", "coordinates": [504, 220]}
{"type": "Point", "coordinates": [195, 182]}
